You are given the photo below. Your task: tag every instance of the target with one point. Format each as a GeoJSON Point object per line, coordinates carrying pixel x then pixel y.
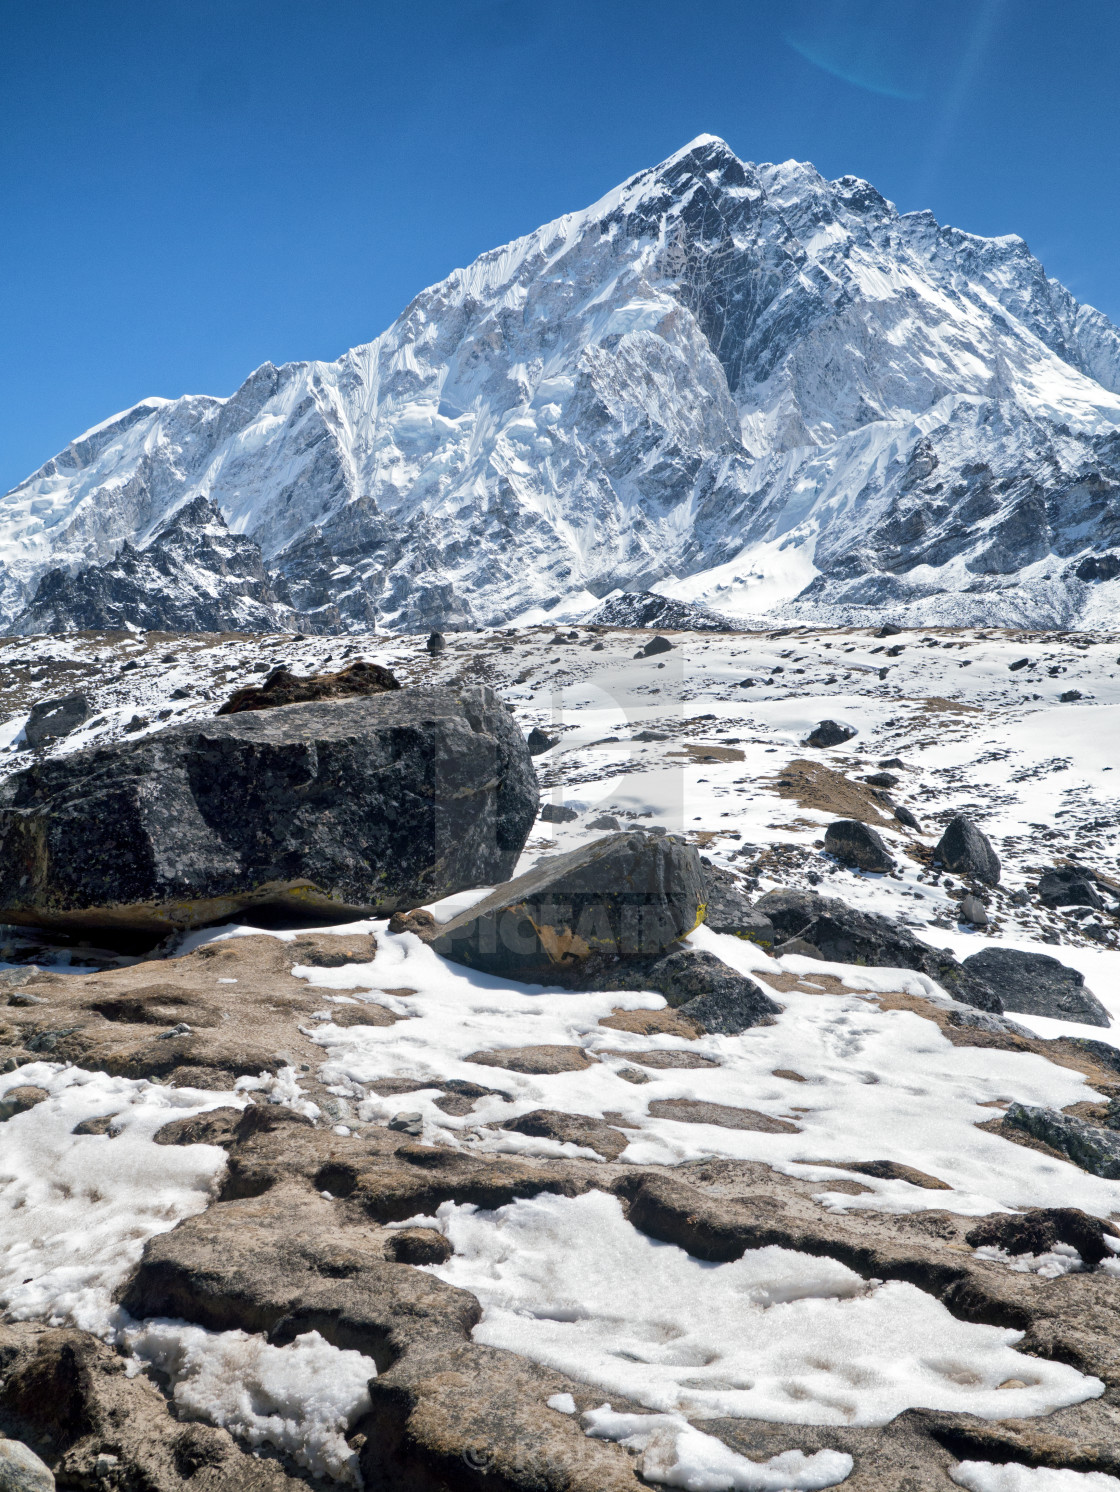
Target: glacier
{"type": "Point", "coordinates": [742, 387]}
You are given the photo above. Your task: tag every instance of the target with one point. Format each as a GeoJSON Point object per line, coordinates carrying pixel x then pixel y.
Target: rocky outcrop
{"type": "Point", "coordinates": [700, 987]}
{"type": "Point", "coordinates": [194, 576]}
{"type": "Point", "coordinates": [1036, 984]}
{"type": "Point", "coordinates": [856, 843]}
{"type": "Point", "coordinates": [844, 935]}
{"type": "Point", "coordinates": [646, 609]}
{"type": "Point", "coordinates": [830, 733]}
{"type": "Point", "coordinates": [1070, 886]}
{"type": "Point", "coordinates": [624, 896]}
{"type": "Point", "coordinates": [52, 719]}
{"type": "Point", "coordinates": [1087, 1145]}
{"type": "Point", "coordinates": [727, 908]}
{"type": "Point", "coordinates": [340, 807]}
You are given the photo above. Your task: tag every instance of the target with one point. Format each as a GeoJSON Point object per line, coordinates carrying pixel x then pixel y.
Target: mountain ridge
{"type": "Point", "coordinates": [742, 386]}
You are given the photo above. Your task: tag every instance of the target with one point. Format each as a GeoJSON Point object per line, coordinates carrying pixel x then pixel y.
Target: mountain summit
{"type": "Point", "coordinates": [741, 385]}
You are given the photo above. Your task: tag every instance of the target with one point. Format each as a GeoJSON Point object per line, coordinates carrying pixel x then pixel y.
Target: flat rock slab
{"type": "Point", "coordinates": [343, 807]}
{"type": "Point", "coordinates": [571, 1129]}
{"type": "Point", "coordinates": [1036, 984]}
{"type": "Point", "coordinates": [622, 897]}
{"type": "Point", "coordinates": [539, 1061]}
{"type": "Point", "coordinates": [652, 1023]}
{"type": "Point", "coordinates": [669, 1060]}
{"type": "Point", "coordinates": [887, 1170]}
{"type": "Point", "coordinates": [690, 1111]}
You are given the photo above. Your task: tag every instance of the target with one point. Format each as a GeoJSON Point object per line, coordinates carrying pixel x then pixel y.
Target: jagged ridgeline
{"type": "Point", "coordinates": [746, 386]}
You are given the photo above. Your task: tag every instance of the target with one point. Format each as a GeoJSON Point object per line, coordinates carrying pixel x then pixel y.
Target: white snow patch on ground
{"type": "Point", "coordinates": [299, 1398]}
{"type": "Point", "coordinates": [776, 1335]}
{"type": "Point", "coordinates": [984, 1476]}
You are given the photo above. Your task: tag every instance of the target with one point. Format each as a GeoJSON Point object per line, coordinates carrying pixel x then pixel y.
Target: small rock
{"type": "Point", "coordinates": [705, 989]}
{"type": "Point", "coordinates": [654, 646]}
{"type": "Point", "coordinates": [51, 719]}
{"type": "Point", "coordinates": [138, 722]}
{"type": "Point", "coordinates": [420, 922]}
{"type": "Point", "coordinates": [605, 823]}
{"type": "Point", "coordinates": [893, 762]}
{"type": "Point", "coordinates": [21, 1469]}
{"type": "Point", "coordinates": [831, 733]}
{"type": "Point", "coordinates": [904, 816]}
{"type": "Point", "coordinates": [1038, 1230]}
{"type": "Point", "coordinates": [1036, 984]}
{"type": "Point", "coordinates": [966, 851]}
{"type": "Point", "coordinates": [538, 743]}
{"type": "Point", "coordinates": [419, 1246]}
{"type": "Point", "coordinates": [1068, 696]}
{"type": "Point", "coordinates": [557, 813]}
{"type": "Point", "coordinates": [888, 630]}
{"type": "Point", "coordinates": [651, 735]}
{"type": "Point", "coordinates": [854, 843]}
{"type": "Point", "coordinates": [436, 643]}
{"type": "Point", "coordinates": [19, 1100]}
{"type": "Point", "coordinates": [882, 779]}
{"type": "Point", "coordinates": [182, 1029]}
{"type": "Point", "coordinates": [25, 998]}
{"type": "Point", "coordinates": [411, 1123]}
{"type": "Point", "coordinates": [570, 1129]}
{"type": "Point", "coordinates": [1018, 664]}
{"type": "Point", "coordinates": [973, 910]}
{"type": "Point", "coordinates": [535, 1061]}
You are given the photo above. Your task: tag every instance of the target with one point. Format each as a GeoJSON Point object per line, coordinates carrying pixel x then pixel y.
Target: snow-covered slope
{"type": "Point", "coordinates": [740, 385]}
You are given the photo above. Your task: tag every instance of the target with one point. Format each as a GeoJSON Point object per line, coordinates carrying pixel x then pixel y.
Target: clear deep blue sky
{"type": "Point", "coordinates": [189, 188]}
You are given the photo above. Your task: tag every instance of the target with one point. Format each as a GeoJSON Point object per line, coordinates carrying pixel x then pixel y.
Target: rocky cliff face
{"type": "Point", "coordinates": [743, 385]}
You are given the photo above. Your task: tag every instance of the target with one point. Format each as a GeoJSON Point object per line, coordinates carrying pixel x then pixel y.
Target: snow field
{"type": "Point", "coordinates": [983, 1476]}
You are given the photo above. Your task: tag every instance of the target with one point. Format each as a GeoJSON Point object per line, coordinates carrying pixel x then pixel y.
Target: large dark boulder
{"type": "Point", "coordinates": [623, 896]}
{"type": "Point", "coordinates": [711, 993]}
{"type": "Point", "coordinates": [339, 808]}
{"type": "Point", "coordinates": [51, 719]}
{"type": "Point", "coordinates": [1036, 984]}
{"type": "Point", "coordinates": [966, 851]}
{"type": "Point", "coordinates": [856, 843]}
{"type": "Point", "coordinates": [831, 733]}
{"type": "Point", "coordinates": [1069, 886]}
{"type": "Point", "coordinates": [843, 935]}
{"type": "Point", "coordinates": [1087, 1145]}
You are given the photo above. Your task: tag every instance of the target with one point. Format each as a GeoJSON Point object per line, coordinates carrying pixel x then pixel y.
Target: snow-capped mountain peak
{"type": "Point", "coordinates": [738, 384]}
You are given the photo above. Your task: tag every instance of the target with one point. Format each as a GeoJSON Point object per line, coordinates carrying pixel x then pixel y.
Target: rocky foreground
{"type": "Point", "coordinates": [755, 1125]}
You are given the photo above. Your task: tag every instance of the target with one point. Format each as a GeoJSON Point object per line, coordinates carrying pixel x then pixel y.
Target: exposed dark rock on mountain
{"type": "Point", "coordinates": [194, 576]}
{"type": "Point", "coordinates": [52, 718]}
{"type": "Point", "coordinates": [282, 687]}
{"type": "Point", "coordinates": [856, 843]}
{"type": "Point", "coordinates": [646, 609]}
{"type": "Point", "coordinates": [966, 851]}
{"type": "Point", "coordinates": [340, 807]}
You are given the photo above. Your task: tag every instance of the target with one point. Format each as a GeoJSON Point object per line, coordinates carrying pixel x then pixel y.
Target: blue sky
{"type": "Point", "coordinates": [189, 189]}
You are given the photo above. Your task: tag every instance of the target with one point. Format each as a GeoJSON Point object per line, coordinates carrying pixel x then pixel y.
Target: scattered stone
{"type": "Point", "coordinates": [570, 1129]}
{"type": "Point", "coordinates": [623, 896]}
{"type": "Point", "coordinates": [138, 722]}
{"type": "Point", "coordinates": [24, 999]}
{"type": "Point", "coordinates": [410, 1123]}
{"type": "Point", "coordinates": [1074, 886]}
{"type": "Point", "coordinates": [347, 806]}
{"type": "Point", "coordinates": [893, 762]}
{"type": "Point", "coordinates": [1039, 1229]}
{"type": "Point", "coordinates": [420, 922]}
{"type": "Point", "coordinates": [654, 646]}
{"type": "Point", "coordinates": [854, 843]}
{"type": "Point", "coordinates": [1093, 1149]}
{"type": "Point", "coordinates": [651, 735]}
{"type": "Point", "coordinates": [973, 910]}
{"type": "Point", "coordinates": [704, 989]}
{"type": "Point", "coordinates": [537, 1061]}
{"type": "Point", "coordinates": [436, 643]}
{"type": "Point", "coordinates": [21, 1469]}
{"type": "Point", "coordinates": [888, 630]}
{"type": "Point", "coordinates": [831, 733]}
{"type": "Point", "coordinates": [843, 935]}
{"type": "Point", "coordinates": [889, 1170]}
{"type": "Point", "coordinates": [1068, 696]}
{"type": "Point", "coordinates": [538, 743]}
{"type": "Point", "coordinates": [1036, 984]}
{"type": "Point", "coordinates": [51, 719]}
{"type": "Point", "coordinates": [881, 779]}
{"type": "Point", "coordinates": [693, 1111]}
{"type": "Point", "coordinates": [557, 813]}
{"type": "Point", "coordinates": [419, 1246]}
{"type": "Point", "coordinates": [1018, 664]}
{"type": "Point", "coordinates": [966, 851]}
{"type": "Point", "coordinates": [907, 818]}
{"type": "Point", "coordinates": [666, 1022]}
{"type": "Point", "coordinates": [19, 1100]}
{"type": "Point", "coordinates": [282, 687]}
{"type": "Point", "coordinates": [606, 823]}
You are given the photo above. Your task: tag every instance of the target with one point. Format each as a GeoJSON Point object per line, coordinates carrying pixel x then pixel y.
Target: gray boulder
{"type": "Point", "coordinates": [831, 733]}
{"type": "Point", "coordinates": [843, 935]}
{"type": "Point", "coordinates": [557, 813]}
{"type": "Point", "coordinates": [1074, 886]}
{"type": "Point", "coordinates": [342, 807]}
{"type": "Point", "coordinates": [965, 851]}
{"type": "Point", "coordinates": [1086, 1145]}
{"type": "Point", "coordinates": [710, 992]}
{"type": "Point", "coordinates": [855, 843]}
{"type": "Point", "coordinates": [728, 910]}
{"type": "Point", "coordinates": [51, 719]}
{"type": "Point", "coordinates": [623, 896]}
{"type": "Point", "coordinates": [1036, 984]}
{"type": "Point", "coordinates": [21, 1469]}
